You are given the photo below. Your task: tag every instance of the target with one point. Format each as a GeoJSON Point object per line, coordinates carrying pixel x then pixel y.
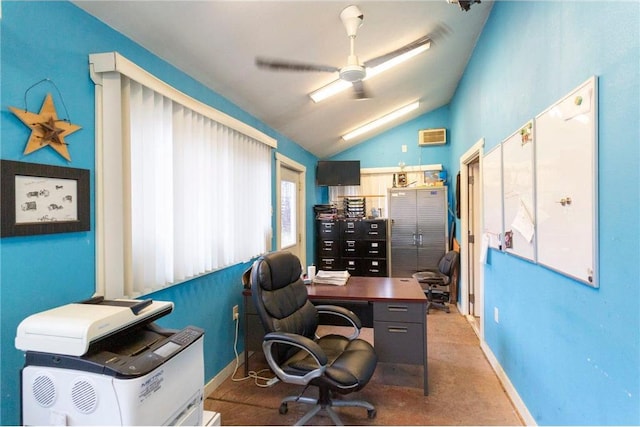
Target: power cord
{"type": "Point", "coordinates": [251, 374]}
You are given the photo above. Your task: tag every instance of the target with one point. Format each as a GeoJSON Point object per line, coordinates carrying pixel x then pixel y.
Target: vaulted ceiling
{"type": "Point", "coordinates": [216, 42]}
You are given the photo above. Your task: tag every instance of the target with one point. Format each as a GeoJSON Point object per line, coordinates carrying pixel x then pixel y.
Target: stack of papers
{"type": "Point", "coordinates": [338, 278]}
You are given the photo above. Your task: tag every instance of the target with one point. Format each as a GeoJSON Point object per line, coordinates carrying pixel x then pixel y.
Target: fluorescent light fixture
{"type": "Point", "coordinates": [339, 85]}
{"type": "Point", "coordinates": [381, 121]}
{"type": "Point", "coordinates": [371, 72]}
{"type": "Point", "coordinates": [331, 89]}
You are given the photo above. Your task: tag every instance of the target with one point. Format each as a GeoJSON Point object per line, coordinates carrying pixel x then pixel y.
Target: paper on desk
{"type": "Point", "coordinates": [338, 278]}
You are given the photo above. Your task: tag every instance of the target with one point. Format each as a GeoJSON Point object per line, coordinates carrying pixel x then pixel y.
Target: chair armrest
{"type": "Point", "coordinates": [298, 341]}
{"type": "Point", "coordinates": [346, 314]}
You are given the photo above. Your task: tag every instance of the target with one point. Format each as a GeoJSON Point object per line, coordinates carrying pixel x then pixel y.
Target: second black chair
{"type": "Point", "coordinates": [334, 363]}
{"type": "Point", "coordinates": [441, 286]}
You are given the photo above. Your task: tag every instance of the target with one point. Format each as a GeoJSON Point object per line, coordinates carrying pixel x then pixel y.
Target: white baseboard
{"type": "Point", "coordinates": [524, 413]}
{"type": "Point", "coordinates": [217, 381]}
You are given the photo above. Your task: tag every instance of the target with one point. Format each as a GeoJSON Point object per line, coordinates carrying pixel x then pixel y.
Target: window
{"type": "Point", "coordinates": [288, 218]}
{"type": "Point", "coordinates": [182, 189]}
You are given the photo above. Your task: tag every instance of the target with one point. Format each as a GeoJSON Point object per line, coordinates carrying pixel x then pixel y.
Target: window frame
{"type": "Point", "coordinates": [106, 71]}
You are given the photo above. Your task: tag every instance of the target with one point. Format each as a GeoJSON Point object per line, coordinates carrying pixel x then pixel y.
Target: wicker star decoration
{"type": "Point", "coordinates": [46, 128]}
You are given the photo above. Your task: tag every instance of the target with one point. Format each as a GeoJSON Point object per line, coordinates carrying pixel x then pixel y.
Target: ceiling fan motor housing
{"type": "Point", "coordinates": [353, 73]}
{"type": "Point", "coordinates": [352, 18]}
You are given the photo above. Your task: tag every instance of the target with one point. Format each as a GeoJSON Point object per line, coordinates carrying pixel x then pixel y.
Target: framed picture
{"type": "Point", "coordinates": [43, 199]}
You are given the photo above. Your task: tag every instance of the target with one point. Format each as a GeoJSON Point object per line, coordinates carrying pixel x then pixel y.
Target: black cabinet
{"type": "Point", "coordinates": [356, 245]}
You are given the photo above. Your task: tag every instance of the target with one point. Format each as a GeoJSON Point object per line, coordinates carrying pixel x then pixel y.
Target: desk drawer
{"type": "Point", "coordinates": [375, 267]}
{"type": "Point", "coordinates": [399, 342]}
{"type": "Point", "coordinates": [376, 229]}
{"type": "Point", "coordinates": [351, 248]}
{"type": "Point", "coordinates": [330, 264]}
{"type": "Point", "coordinates": [350, 228]}
{"type": "Point", "coordinates": [375, 249]}
{"type": "Point", "coordinates": [328, 248]}
{"type": "Point", "coordinates": [353, 266]}
{"type": "Point", "coordinates": [399, 312]}
{"type": "Point", "coordinates": [327, 228]}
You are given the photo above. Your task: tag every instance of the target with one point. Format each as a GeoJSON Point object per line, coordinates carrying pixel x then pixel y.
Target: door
{"type": "Point", "coordinates": [473, 236]}
{"type": "Point", "coordinates": [471, 212]}
{"type": "Point", "coordinates": [402, 212]}
{"type": "Point", "coordinates": [290, 212]}
{"type": "Point", "coordinates": [432, 227]}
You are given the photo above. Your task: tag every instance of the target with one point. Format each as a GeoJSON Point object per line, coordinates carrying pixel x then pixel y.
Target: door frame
{"type": "Point", "coordinates": [284, 161]}
{"type": "Point", "coordinates": [475, 152]}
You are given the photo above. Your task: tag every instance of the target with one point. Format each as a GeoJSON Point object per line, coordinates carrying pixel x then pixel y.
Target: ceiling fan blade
{"type": "Point", "coordinates": [360, 91]}
{"type": "Point", "coordinates": [440, 31]}
{"type": "Point", "coordinates": [276, 64]}
{"type": "Point", "coordinates": [406, 48]}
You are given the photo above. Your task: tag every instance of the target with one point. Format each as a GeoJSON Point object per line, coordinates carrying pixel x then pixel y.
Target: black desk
{"type": "Point", "coordinates": [397, 307]}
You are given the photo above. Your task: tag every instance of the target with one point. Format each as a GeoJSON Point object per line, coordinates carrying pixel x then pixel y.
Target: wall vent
{"type": "Point", "coordinates": [432, 137]}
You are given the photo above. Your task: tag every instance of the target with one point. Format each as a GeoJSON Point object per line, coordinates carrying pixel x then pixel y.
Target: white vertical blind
{"type": "Point", "coordinates": [200, 192]}
{"type": "Point", "coordinates": [150, 184]}
{"type": "Point", "coordinates": [196, 185]}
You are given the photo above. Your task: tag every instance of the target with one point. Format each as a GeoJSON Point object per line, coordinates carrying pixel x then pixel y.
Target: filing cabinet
{"type": "Point", "coordinates": [356, 245]}
{"type": "Point", "coordinates": [398, 329]}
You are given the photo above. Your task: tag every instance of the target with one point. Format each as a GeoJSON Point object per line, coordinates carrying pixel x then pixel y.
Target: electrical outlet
{"type": "Point", "coordinates": [496, 315]}
{"type": "Point", "coordinates": [235, 312]}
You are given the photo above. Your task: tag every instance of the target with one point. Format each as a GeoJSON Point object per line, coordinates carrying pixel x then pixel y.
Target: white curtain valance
{"type": "Point", "coordinates": [114, 62]}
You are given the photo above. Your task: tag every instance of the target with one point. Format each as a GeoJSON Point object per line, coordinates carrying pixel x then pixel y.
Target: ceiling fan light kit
{"type": "Point", "coordinates": [329, 90]}
{"type": "Point", "coordinates": [341, 84]}
{"type": "Point", "coordinates": [354, 73]}
{"type": "Point", "coordinates": [398, 59]}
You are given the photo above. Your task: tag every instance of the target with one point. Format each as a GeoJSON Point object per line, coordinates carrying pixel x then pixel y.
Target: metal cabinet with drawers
{"type": "Point", "coordinates": [356, 245]}
{"type": "Point", "coordinates": [399, 328]}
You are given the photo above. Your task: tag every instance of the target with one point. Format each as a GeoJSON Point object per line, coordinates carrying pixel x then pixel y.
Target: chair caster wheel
{"type": "Point", "coordinates": [283, 408]}
{"type": "Point", "coordinates": [371, 413]}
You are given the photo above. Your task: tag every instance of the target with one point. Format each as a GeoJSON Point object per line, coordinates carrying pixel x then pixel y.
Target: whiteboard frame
{"type": "Point", "coordinates": [531, 246]}
{"type": "Point", "coordinates": [593, 145]}
{"type": "Point", "coordinates": [485, 205]}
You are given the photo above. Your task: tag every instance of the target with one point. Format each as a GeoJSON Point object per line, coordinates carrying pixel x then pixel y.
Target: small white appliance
{"type": "Point", "coordinates": [104, 362]}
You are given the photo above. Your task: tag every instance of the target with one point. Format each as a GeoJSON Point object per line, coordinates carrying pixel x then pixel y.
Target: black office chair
{"type": "Point", "coordinates": [333, 363]}
{"type": "Point", "coordinates": [441, 285]}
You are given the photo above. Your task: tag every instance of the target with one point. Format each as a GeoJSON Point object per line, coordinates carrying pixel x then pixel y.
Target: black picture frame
{"type": "Point", "coordinates": [50, 199]}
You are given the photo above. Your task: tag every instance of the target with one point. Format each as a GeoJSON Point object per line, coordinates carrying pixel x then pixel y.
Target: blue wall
{"type": "Point", "coordinates": [385, 150]}
{"type": "Point", "coordinates": [572, 352]}
{"type": "Point", "coordinates": [53, 40]}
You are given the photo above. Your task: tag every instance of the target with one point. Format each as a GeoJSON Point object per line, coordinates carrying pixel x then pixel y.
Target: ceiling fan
{"type": "Point", "coordinates": [354, 71]}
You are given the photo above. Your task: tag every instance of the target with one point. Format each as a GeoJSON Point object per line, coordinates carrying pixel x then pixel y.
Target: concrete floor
{"type": "Point", "coordinates": [463, 389]}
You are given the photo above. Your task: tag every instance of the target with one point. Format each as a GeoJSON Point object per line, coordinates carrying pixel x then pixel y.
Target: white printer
{"type": "Point", "coordinates": [104, 362]}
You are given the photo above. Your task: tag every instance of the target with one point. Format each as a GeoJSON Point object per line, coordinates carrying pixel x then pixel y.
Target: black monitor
{"type": "Point", "coordinates": [338, 172]}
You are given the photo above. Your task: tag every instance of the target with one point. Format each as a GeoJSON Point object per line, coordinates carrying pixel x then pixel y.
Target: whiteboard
{"type": "Point", "coordinates": [492, 196]}
{"type": "Point", "coordinates": [518, 193]}
{"type": "Point", "coordinates": [566, 184]}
